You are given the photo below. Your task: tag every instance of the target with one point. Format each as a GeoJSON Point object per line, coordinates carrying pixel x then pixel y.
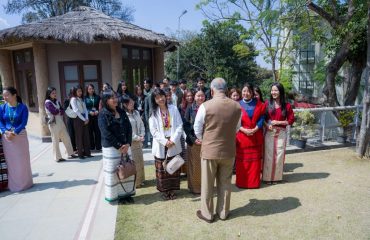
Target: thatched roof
{"type": "Point", "coordinates": [84, 25]}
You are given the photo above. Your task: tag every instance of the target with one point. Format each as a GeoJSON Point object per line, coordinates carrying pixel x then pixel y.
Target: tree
{"type": "Point", "coordinates": [365, 122]}
{"type": "Point", "coordinates": [35, 10]}
{"type": "Point", "coordinates": [220, 49]}
{"type": "Point", "coordinates": [271, 22]}
{"type": "Point", "coordinates": [346, 42]}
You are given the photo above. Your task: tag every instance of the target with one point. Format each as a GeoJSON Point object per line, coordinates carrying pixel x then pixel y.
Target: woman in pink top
{"type": "Point", "coordinates": [279, 114]}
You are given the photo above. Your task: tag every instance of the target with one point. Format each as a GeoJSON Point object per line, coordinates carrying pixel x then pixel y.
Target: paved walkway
{"type": "Point", "coordinates": [66, 201]}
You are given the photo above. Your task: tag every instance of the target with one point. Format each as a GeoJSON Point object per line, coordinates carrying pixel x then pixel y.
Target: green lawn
{"type": "Point", "coordinates": [324, 197]}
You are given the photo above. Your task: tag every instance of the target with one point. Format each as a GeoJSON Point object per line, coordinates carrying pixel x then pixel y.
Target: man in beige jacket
{"type": "Point", "coordinates": [215, 125]}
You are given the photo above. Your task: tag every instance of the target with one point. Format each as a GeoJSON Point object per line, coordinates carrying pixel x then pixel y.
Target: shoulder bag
{"type": "Point", "coordinates": [69, 111]}
{"type": "Point", "coordinates": [171, 166]}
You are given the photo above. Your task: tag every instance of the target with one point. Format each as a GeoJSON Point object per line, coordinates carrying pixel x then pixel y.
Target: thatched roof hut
{"type": "Point", "coordinates": [81, 47]}
{"type": "Point", "coordinates": [83, 25]}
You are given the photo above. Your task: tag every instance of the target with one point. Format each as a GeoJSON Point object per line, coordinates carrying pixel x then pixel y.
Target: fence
{"type": "Point", "coordinates": [327, 127]}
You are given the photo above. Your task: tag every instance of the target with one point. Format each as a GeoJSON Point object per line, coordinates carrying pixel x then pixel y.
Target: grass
{"type": "Point", "coordinates": [325, 196]}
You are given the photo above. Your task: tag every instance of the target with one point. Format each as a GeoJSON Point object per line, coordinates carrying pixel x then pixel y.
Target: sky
{"type": "Point", "coordinates": [157, 15]}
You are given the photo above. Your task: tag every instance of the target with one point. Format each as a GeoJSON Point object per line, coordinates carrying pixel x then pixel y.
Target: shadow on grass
{"type": "Point", "coordinates": [298, 177]}
{"type": "Point", "coordinates": [150, 198]}
{"type": "Point", "coordinates": [290, 167]}
{"type": "Point", "coordinates": [261, 208]}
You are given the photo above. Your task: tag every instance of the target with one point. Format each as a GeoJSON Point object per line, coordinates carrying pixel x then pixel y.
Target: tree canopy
{"type": "Point", "coordinates": [271, 23]}
{"type": "Point", "coordinates": [34, 10]}
{"type": "Point", "coordinates": [220, 49]}
{"type": "Point", "coordinates": [344, 36]}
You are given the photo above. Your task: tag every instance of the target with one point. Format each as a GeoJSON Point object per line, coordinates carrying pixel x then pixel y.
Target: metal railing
{"type": "Point", "coordinates": [327, 126]}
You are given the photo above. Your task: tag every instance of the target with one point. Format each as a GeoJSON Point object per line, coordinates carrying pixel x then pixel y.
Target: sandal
{"type": "Point", "coordinates": [166, 196]}
{"type": "Point", "coordinates": [172, 195]}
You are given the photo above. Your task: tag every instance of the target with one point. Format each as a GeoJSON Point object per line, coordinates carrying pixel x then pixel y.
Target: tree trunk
{"type": "Point", "coordinates": [365, 123]}
{"type": "Point", "coordinates": [332, 70]}
{"type": "Point", "coordinates": [357, 67]}
{"type": "Point", "coordinates": [274, 72]}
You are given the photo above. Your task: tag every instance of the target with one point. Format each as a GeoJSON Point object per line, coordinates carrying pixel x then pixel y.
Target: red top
{"type": "Point", "coordinates": [243, 140]}
{"type": "Point", "coordinates": [276, 115]}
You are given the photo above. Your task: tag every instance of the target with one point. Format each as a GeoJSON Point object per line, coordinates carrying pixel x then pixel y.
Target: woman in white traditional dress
{"type": "Point", "coordinates": [165, 125]}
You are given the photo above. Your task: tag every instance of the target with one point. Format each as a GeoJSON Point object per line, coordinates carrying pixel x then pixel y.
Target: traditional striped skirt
{"type": "Point", "coordinates": [194, 169]}
{"type": "Point", "coordinates": [17, 156]}
{"type": "Point", "coordinates": [137, 156]}
{"type": "Point", "coordinates": [113, 188]}
{"type": "Point", "coordinates": [274, 154]}
{"type": "Point", "coordinates": [3, 170]}
{"type": "Point", "coordinates": [184, 155]}
{"type": "Point", "coordinates": [165, 181]}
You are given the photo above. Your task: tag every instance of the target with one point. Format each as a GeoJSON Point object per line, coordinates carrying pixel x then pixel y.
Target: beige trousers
{"type": "Point", "coordinates": [221, 171]}
{"type": "Point", "coordinates": [58, 132]}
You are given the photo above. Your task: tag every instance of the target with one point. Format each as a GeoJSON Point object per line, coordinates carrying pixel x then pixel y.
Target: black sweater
{"type": "Point", "coordinates": [115, 132]}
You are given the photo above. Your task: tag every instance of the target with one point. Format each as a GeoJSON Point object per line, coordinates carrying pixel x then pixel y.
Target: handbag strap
{"type": "Point", "coordinates": [133, 187]}
{"type": "Point", "coordinates": [165, 161]}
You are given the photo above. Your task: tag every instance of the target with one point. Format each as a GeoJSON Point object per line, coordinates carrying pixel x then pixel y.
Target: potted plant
{"type": "Point", "coordinates": [303, 128]}
{"type": "Point", "coordinates": [345, 118]}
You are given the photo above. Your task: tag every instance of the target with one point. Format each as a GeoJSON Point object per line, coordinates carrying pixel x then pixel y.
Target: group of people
{"type": "Point", "coordinates": [215, 130]}
{"type": "Point", "coordinates": [203, 119]}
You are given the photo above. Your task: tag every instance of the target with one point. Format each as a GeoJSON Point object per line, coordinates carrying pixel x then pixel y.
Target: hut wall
{"type": "Point", "coordinates": [158, 64]}
{"type": "Point", "coordinates": [6, 73]}
{"type": "Point", "coordinates": [78, 52]}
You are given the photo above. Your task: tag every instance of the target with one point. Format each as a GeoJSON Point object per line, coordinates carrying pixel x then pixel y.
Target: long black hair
{"type": "Point", "coordinates": [48, 92]}
{"type": "Point", "coordinates": [74, 91]}
{"type": "Point", "coordinates": [119, 88]}
{"type": "Point", "coordinates": [258, 90]}
{"type": "Point", "coordinates": [13, 91]}
{"type": "Point", "coordinates": [87, 88]}
{"type": "Point", "coordinates": [105, 96]}
{"type": "Point", "coordinates": [271, 107]}
{"type": "Point", "coordinates": [157, 92]}
{"type": "Point", "coordinates": [109, 87]}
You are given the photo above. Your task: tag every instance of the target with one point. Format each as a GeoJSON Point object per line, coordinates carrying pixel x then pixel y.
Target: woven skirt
{"type": "Point", "coordinates": [137, 156]}
{"type": "Point", "coordinates": [274, 155]}
{"type": "Point", "coordinates": [3, 170]}
{"type": "Point", "coordinates": [165, 181]}
{"type": "Point", "coordinates": [112, 185]}
{"type": "Point", "coordinates": [194, 169]}
{"type": "Point", "coordinates": [17, 156]}
{"type": "Point", "coordinates": [184, 155]}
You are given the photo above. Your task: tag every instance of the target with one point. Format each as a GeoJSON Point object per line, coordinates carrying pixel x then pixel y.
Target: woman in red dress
{"type": "Point", "coordinates": [249, 140]}
{"type": "Point", "coordinates": [279, 115]}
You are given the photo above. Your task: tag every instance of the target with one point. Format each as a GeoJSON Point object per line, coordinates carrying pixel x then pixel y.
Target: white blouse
{"type": "Point", "coordinates": [79, 107]}
{"type": "Point", "coordinates": [158, 132]}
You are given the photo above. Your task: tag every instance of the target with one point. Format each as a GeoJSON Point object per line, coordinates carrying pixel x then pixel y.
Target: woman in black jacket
{"type": "Point", "coordinates": [116, 136]}
{"type": "Point", "coordinates": [194, 144]}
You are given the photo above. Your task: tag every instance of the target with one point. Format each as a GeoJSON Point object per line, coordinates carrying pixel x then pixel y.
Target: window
{"type": "Point", "coordinates": [136, 65]}
{"type": "Point", "coordinates": [79, 73]}
{"type": "Point", "coordinates": [25, 78]}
